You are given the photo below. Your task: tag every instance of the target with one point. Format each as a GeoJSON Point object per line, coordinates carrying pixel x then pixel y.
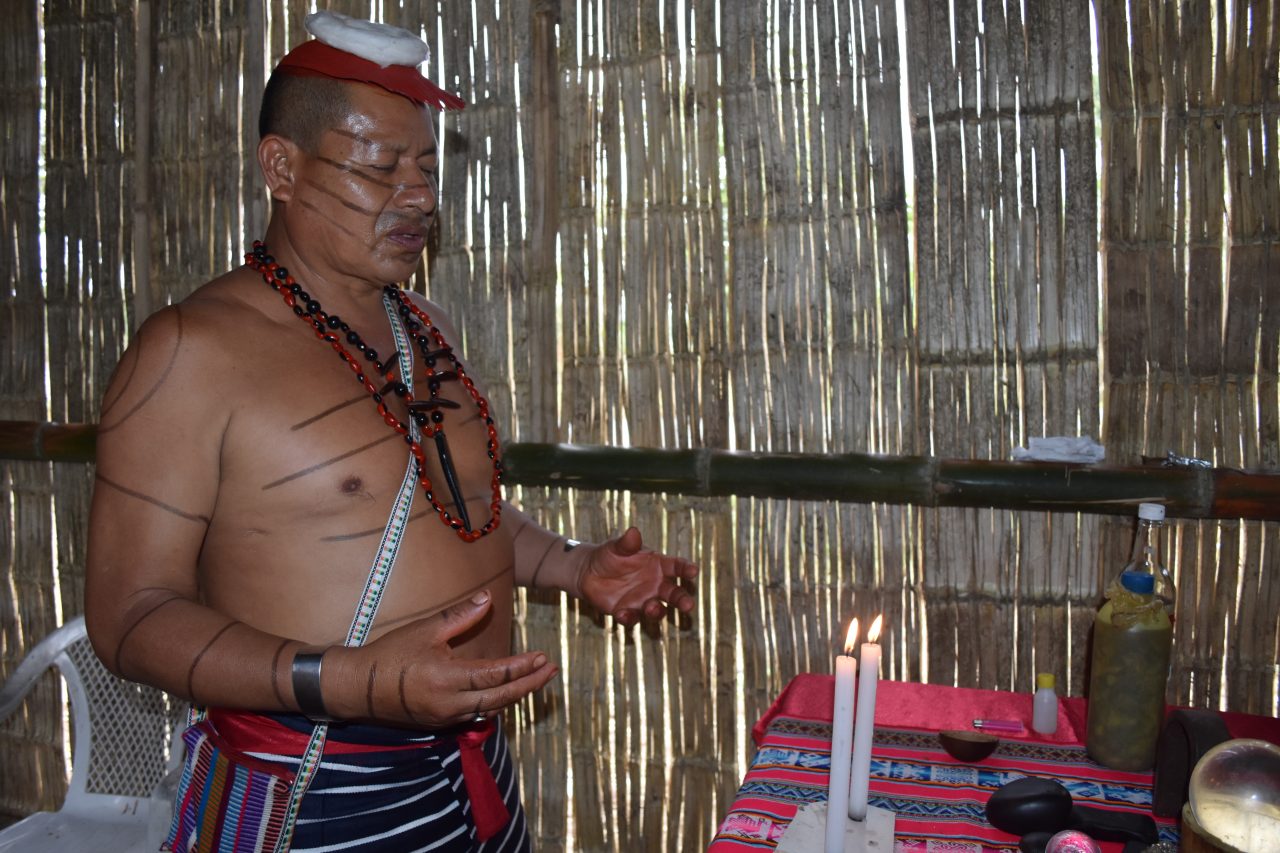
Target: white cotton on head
{"type": "Point", "coordinates": [380, 43]}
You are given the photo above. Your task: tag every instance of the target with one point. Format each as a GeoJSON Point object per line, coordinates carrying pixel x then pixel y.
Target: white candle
{"type": "Point", "coordinates": [868, 677]}
{"type": "Point", "coordinates": [841, 742]}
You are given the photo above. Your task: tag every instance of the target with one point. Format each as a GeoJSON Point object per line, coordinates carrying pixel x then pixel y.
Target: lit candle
{"type": "Point", "coordinates": [841, 742]}
{"type": "Point", "coordinates": [868, 677]}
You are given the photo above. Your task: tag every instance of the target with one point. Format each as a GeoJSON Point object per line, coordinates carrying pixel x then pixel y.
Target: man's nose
{"type": "Point", "coordinates": [418, 194]}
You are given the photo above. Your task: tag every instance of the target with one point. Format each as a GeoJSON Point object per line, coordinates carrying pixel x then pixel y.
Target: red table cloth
{"type": "Point", "coordinates": [939, 802]}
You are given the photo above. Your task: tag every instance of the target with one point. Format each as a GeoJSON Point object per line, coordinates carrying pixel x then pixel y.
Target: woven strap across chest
{"type": "Point", "coordinates": [379, 574]}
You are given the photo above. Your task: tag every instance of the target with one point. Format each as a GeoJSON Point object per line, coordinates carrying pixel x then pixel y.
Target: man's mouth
{"type": "Point", "coordinates": [409, 238]}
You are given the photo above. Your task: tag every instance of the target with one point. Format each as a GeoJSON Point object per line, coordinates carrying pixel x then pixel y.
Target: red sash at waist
{"type": "Point", "coordinates": [256, 733]}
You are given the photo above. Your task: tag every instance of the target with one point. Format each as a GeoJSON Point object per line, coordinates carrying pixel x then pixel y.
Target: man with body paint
{"type": "Point", "coordinates": [246, 476]}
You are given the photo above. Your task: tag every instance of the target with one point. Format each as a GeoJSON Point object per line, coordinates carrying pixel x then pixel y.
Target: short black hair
{"type": "Point", "coordinates": [300, 107]}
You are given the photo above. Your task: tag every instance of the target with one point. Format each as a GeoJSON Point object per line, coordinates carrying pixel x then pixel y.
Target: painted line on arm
{"type": "Point", "coordinates": [164, 374]}
{"type": "Point", "coordinates": [368, 693]}
{"type": "Point", "coordinates": [125, 636]}
{"type": "Point", "coordinates": [275, 675]}
{"type": "Point", "coordinates": [189, 516]}
{"type": "Point", "coordinates": [191, 673]}
{"type": "Point", "coordinates": [533, 581]}
{"type": "Point", "coordinates": [404, 703]}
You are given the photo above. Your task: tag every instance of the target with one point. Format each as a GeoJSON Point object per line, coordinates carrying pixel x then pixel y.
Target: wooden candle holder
{"type": "Point", "coordinates": [1193, 839]}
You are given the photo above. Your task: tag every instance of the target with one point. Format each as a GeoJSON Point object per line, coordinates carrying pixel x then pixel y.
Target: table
{"type": "Point", "coordinates": [939, 801]}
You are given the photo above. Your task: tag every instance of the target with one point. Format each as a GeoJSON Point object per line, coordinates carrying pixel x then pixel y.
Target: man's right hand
{"type": "Point", "coordinates": [411, 675]}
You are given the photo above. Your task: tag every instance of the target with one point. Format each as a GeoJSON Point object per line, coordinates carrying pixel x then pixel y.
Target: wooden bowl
{"type": "Point", "coordinates": [964, 745]}
{"type": "Point", "coordinates": [1193, 839]}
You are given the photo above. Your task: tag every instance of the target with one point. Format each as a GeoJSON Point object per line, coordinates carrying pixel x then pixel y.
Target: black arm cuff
{"type": "Point", "coordinates": [306, 686]}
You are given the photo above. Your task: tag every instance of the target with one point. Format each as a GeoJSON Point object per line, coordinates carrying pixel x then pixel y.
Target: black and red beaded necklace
{"type": "Point", "coordinates": [426, 414]}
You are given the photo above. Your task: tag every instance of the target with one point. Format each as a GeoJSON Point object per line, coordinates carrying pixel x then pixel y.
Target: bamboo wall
{"type": "Point", "coordinates": [33, 774]}
{"type": "Point", "coordinates": [748, 225]}
{"type": "Point", "coordinates": [1189, 238]}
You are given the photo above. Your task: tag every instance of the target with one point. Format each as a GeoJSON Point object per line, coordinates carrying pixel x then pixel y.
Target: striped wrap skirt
{"type": "Point", "coordinates": [394, 790]}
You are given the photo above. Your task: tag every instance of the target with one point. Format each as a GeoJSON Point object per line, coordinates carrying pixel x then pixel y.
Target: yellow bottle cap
{"type": "Point", "coordinates": [1045, 679]}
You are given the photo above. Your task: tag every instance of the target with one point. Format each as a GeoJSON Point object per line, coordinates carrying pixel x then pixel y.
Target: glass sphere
{"type": "Point", "coordinates": [1235, 795]}
{"type": "Point", "coordinates": [1072, 841]}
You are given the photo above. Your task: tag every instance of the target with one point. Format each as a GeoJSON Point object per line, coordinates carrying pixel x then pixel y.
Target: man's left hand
{"type": "Point", "coordinates": [629, 581]}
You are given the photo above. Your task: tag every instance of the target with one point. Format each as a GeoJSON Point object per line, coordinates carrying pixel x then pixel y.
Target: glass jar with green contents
{"type": "Point", "coordinates": [1132, 637]}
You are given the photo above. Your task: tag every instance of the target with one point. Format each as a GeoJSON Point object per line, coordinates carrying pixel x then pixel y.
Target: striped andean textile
{"type": "Point", "coordinates": [939, 802]}
{"type": "Point", "coordinates": [384, 790]}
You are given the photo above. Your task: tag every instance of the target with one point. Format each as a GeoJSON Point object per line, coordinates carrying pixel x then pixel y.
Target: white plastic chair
{"type": "Point", "coordinates": [122, 768]}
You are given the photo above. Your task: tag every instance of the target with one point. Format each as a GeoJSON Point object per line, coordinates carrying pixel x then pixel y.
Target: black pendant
{"type": "Point", "coordinates": [451, 479]}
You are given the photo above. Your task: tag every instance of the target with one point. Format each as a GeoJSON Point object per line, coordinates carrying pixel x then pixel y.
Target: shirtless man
{"type": "Point", "coordinates": [245, 476]}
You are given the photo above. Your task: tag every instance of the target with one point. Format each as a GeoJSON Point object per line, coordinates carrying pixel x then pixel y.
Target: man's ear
{"type": "Point", "coordinates": [279, 158]}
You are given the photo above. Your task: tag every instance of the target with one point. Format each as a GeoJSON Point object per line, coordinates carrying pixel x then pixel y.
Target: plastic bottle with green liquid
{"type": "Point", "coordinates": [1129, 670]}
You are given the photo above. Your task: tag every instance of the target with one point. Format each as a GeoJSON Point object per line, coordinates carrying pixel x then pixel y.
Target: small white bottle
{"type": "Point", "coordinates": [1044, 706]}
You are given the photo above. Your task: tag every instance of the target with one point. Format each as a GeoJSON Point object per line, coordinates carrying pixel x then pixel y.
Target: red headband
{"type": "Point", "coordinates": [317, 57]}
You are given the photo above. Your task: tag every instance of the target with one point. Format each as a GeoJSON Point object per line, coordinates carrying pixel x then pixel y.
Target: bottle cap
{"type": "Point", "coordinates": [1151, 512]}
{"type": "Point", "coordinates": [1139, 582]}
{"type": "Point", "coordinates": [1045, 679]}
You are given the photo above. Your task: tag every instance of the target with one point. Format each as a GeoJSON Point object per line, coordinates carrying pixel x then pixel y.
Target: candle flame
{"type": "Point", "coordinates": [873, 633]}
{"type": "Point", "coordinates": [851, 638]}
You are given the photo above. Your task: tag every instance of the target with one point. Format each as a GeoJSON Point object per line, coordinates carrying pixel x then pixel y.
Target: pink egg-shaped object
{"type": "Point", "coordinates": [1072, 841]}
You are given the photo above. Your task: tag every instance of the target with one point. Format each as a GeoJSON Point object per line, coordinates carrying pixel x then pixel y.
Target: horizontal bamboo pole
{"type": "Point", "coordinates": [48, 442]}
{"type": "Point", "coordinates": [1186, 492]}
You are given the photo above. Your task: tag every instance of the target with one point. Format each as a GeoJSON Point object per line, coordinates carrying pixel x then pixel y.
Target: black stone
{"type": "Point", "coordinates": [1030, 804]}
{"type": "Point", "coordinates": [1034, 842]}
